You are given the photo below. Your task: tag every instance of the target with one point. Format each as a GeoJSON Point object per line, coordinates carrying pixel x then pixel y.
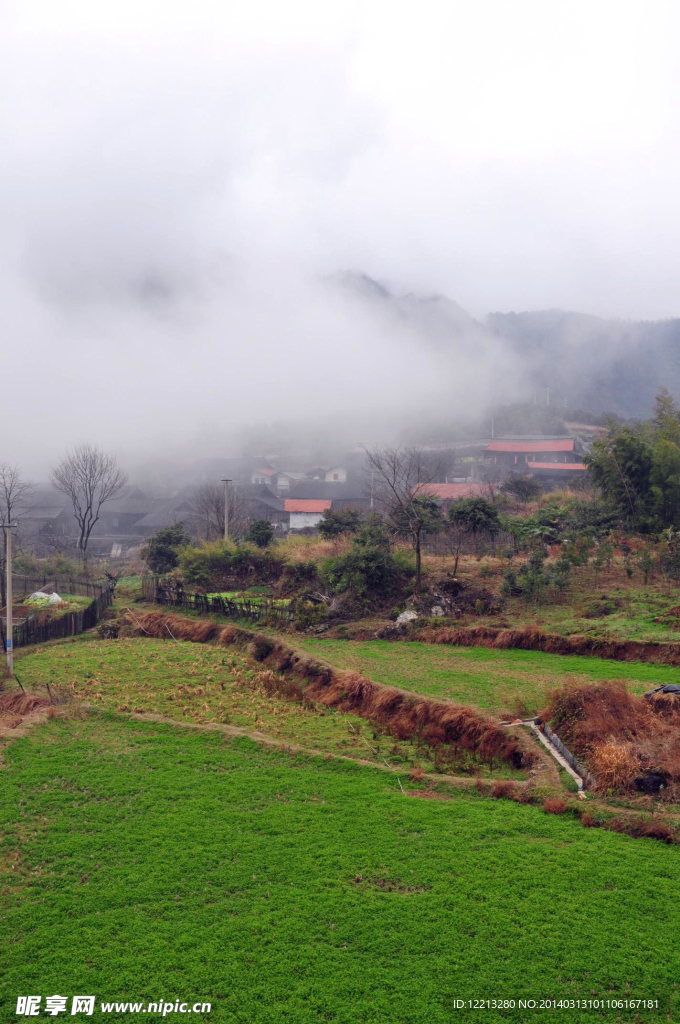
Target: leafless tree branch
{"type": "Point", "coordinates": [88, 477]}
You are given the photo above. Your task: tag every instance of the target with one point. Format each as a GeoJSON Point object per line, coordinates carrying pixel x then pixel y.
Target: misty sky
{"type": "Point", "coordinates": [179, 179]}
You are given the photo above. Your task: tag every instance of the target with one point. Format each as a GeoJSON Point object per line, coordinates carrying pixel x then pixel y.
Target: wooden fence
{"type": "Point", "coordinates": [160, 590]}
{"type": "Point", "coordinates": [36, 629]}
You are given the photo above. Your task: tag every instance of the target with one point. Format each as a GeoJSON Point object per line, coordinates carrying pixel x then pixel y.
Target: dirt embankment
{"type": "Point", "coordinates": [657, 653]}
{"type": "Point", "coordinates": [300, 677]}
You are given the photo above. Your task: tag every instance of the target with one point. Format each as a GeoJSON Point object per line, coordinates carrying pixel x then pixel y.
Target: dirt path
{"type": "Point", "coordinates": [296, 748]}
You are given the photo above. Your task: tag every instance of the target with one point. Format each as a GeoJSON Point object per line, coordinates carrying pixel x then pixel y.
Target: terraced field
{"type": "Point", "coordinates": [202, 684]}
{"type": "Point", "coordinates": [497, 680]}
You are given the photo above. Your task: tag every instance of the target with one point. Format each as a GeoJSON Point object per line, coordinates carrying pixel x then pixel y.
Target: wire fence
{"type": "Point", "coordinates": [38, 628]}
{"type": "Point", "coordinates": [159, 590]}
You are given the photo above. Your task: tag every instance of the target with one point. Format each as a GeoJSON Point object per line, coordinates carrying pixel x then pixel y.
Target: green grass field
{"type": "Point", "coordinates": [147, 862]}
{"type": "Point", "coordinates": [201, 684]}
{"type": "Point", "coordinates": [497, 680]}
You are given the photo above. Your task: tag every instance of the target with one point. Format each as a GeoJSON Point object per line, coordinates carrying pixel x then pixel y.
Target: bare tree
{"type": "Point", "coordinates": [89, 477]}
{"type": "Point", "coordinates": [14, 492]}
{"type": "Point", "coordinates": [207, 507]}
{"type": "Point", "coordinates": [13, 497]}
{"type": "Point", "coordinates": [399, 487]}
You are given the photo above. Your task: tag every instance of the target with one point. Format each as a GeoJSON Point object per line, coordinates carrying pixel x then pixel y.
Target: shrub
{"type": "Point", "coordinates": [504, 789]}
{"type": "Point", "coordinates": [309, 613]}
{"type": "Point", "coordinates": [554, 805]}
{"type": "Point", "coordinates": [364, 571]}
{"type": "Point", "coordinates": [162, 552]}
{"type": "Point", "coordinates": [57, 565]}
{"type": "Point", "coordinates": [300, 574]}
{"type": "Point", "coordinates": [522, 488]}
{"type": "Point", "coordinates": [335, 522]}
{"type": "Point", "coordinates": [218, 565]}
{"type": "Point", "coordinates": [260, 533]}
{"type": "Point", "coordinates": [643, 828]}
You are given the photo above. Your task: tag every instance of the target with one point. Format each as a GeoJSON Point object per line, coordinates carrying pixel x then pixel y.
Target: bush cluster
{"type": "Point", "coordinates": [220, 564]}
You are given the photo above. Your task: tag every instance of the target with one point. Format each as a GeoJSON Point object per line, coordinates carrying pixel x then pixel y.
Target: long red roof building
{"type": "Point", "coordinates": [529, 447]}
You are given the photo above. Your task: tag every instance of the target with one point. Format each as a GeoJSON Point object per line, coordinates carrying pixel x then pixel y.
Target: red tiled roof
{"type": "Point", "coordinates": [266, 472]}
{"type": "Point", "coordinates": [450, 492]}
{"type": "Point", "coordinates": [571, 466]}
{"type": "Point", "coordinates": [566, 445]}
{"type": "Point", "coordinates": [305, 505]}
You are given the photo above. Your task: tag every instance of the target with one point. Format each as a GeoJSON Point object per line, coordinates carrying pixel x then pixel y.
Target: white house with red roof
{"type": "Point", "coordinates": [305, 513]}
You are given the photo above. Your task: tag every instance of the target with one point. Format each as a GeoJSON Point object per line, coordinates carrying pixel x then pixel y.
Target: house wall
{"type": "Point", "coordinates": [304, 520]}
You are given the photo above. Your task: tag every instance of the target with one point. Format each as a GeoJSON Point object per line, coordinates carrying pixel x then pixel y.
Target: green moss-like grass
{"type": "Point", "coordinates": [145, 862]}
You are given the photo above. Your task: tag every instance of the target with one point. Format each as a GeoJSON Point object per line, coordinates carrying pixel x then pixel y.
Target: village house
{"type": "Point", "coordinates": [305, 513]}
{"type": "Point", "coordinates": [448, 493]}
{"type": "Point", "coordinates": [336, 475]}
{"type": "Point", "coordinates": [516, 455]}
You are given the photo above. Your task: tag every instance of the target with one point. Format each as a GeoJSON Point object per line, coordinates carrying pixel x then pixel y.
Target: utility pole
{"type": "Point", "coordinates": [9, 626]}
{"type": "Point", "coordinates": [226, 483]}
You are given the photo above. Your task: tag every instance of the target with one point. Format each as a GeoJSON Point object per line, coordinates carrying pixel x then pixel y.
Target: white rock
{"type": "Point", "coordinates": [407, 616]}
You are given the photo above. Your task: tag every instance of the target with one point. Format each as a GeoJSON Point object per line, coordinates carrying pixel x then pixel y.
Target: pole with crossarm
{"type": "Point", "coordinates": [9, 626]}
{"type": "Point", "coordinates": [226, 483]}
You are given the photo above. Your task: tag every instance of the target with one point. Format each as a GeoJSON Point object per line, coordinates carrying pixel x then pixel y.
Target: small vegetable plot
{"type": "Point", "coordinates": [50, 606]}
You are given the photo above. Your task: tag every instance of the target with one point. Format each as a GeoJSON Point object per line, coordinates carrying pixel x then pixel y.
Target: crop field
{"type": "Point", "coordinates": [498, 680]}
{"type": "Point", "coordinates": [203, 684]}
{"type": "Point", "coordinates": [147, 862]}
{"type": "Point", "coordinates": [41, 606]}
{"type": "Point", "coordinates": [246, 597]}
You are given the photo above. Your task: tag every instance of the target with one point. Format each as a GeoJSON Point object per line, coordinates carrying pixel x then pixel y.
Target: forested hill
{"type": "Point", "coordinates": [589, 363]}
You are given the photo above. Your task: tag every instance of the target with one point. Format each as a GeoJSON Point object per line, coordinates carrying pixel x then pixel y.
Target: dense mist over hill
{"type": "Point", "coordinates": [565, 359]}
{"type": "Point", "coordinates": [602, 366]}
{"type": "Point", "coordinates": [229, 221]}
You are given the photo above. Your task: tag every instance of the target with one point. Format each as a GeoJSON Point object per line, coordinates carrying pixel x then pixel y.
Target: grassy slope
{"type": "Point", "coordinates": [476, 675]}
{"type": "Point", "coordinates": [639, 615]}
{"type": "Point", "coordinates": [146, 862]}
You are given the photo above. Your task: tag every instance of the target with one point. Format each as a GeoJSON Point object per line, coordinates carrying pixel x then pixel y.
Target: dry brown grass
{"type": "Point", "coordinates": [312, 549]}
{"type": "Point", "coordinates": [504, 789]}
{"type": "Point", "coordinates": [615, 764]}
{"type": "Point", "coordinates": [555, 805]}
{"type": "Point", "coordinates": [619, 735]}
{"type": "Point", "coordinates": [22, 703]}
